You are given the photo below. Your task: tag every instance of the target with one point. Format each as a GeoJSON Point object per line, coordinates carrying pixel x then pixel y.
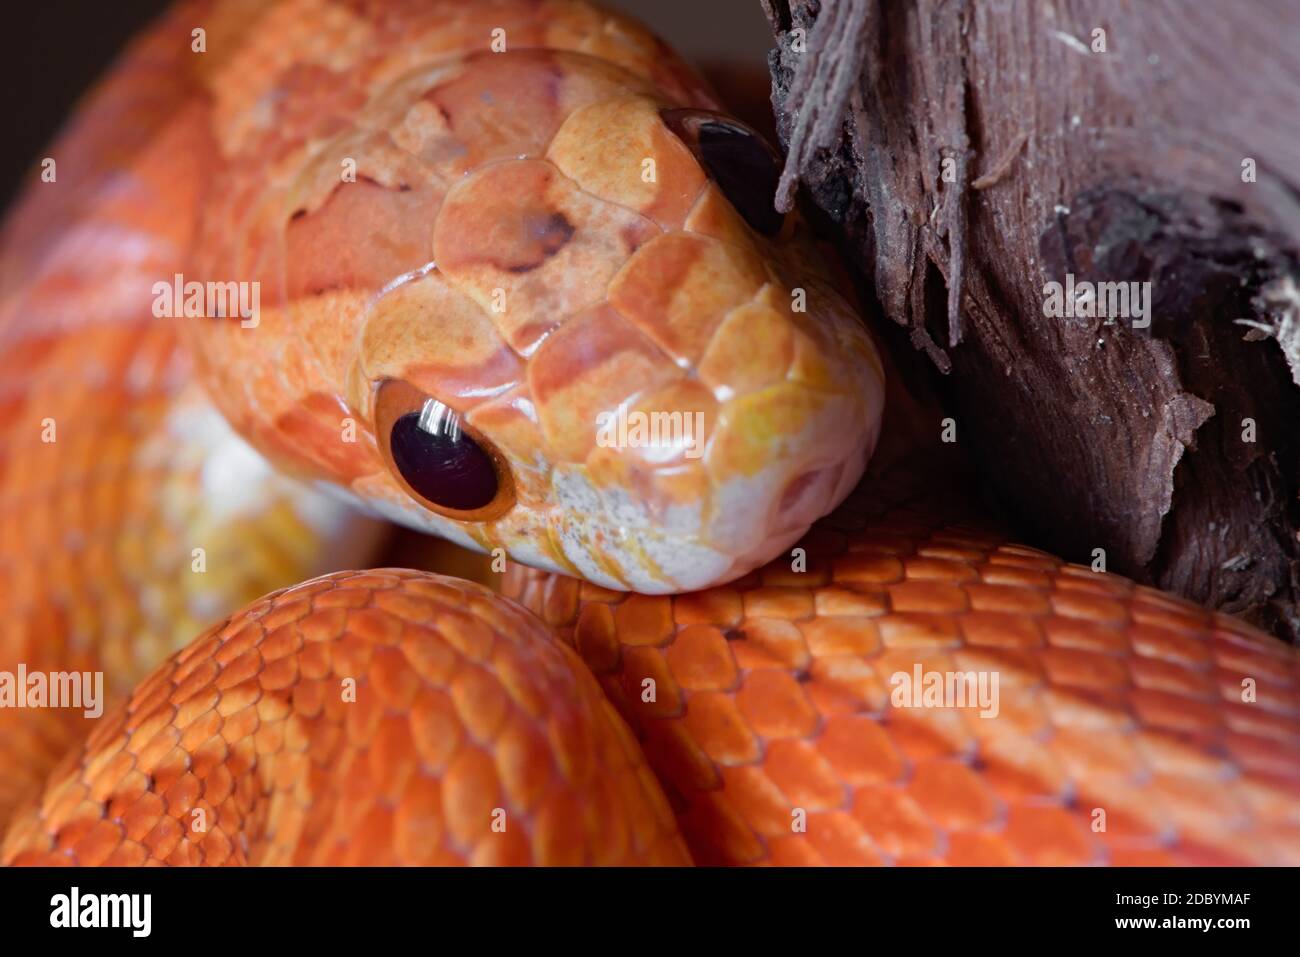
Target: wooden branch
{"type": "Point", "coordinates": [988, 148]}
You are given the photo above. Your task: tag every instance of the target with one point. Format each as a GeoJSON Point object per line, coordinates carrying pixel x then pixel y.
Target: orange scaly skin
{"type": "Point", "coordinates": [773, 694]}
{"type": "Point", "coordinates": [404, 717]}
{"type": "Point", "coordinates": [464, 709]}
{"type": "Point", "coordinates": [101, 460]}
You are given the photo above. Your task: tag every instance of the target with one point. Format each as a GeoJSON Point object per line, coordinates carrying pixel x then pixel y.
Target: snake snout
{"type": "Point", "coordinates": [698, 483]}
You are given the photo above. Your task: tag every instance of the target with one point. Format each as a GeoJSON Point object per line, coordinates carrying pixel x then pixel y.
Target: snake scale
{"type": "Point", "coordinates": [473, 230]}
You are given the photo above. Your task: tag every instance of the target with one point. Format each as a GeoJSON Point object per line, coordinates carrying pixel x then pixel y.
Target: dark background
{"type": "Point", "coordinates": [51, 51]}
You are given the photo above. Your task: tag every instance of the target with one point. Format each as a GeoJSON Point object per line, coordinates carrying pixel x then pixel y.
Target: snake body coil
{"type": "Point", "coordinates": [460, 254]}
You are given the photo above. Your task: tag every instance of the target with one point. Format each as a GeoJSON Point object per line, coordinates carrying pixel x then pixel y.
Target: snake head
{"type": "Point", "coordinates": [607, 354]}
{"type": "Point", "coordinates": [625, 364]}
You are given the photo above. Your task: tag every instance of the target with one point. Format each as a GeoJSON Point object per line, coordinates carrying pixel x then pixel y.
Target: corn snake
{"type": "Point", "coordinates": [517, 179]}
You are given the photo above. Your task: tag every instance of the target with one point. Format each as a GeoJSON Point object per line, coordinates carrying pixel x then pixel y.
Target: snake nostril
{"type": "Point", "coordinates": [809, 491]}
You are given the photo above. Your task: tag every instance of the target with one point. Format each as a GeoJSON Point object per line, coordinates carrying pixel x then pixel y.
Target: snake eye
{"type": "Point", "coordinates": [444, 464]}
{"type": "Point", "coordinates": [738, 159]}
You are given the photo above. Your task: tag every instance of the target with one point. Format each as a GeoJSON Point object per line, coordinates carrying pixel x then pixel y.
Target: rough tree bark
{"type": "Point", "coordinates": [971, 151]}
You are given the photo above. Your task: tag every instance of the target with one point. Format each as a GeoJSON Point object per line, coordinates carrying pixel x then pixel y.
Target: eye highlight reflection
{"type": "Point", "coordinates": [443, 463]}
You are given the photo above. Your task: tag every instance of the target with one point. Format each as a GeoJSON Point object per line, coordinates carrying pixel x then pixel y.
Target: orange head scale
{"type": "Point", "coordinates": [537, 300]}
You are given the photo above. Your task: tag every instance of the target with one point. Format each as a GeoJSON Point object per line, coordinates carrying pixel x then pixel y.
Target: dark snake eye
{"type": "Point", "coordinates": [438, 457]}
{"type": "Point", "coordinates": [440, 461]}
{"type": "Point", "coordinates": [738, 159]}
